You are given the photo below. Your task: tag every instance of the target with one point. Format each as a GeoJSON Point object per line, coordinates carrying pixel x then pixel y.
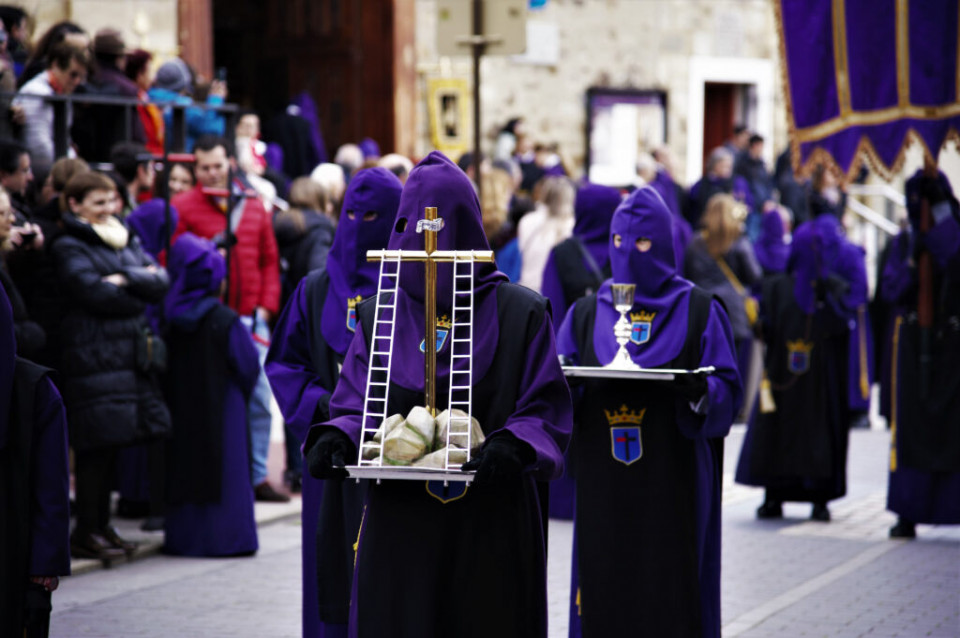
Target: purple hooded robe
{"type": "Point", "coordinates": [34, 480]}
{"type": "Point", "coordinates": [670, 578]}
{"type": "Point", "coordinates": [798, 451]}
{"type": "Point", "coordinates": [310, 340]}
{"type": "Point", "coordinates": [213, 367]}
{"type": "Point", "coordinates": [576, 264]}
{"type": "Point", "coordinates": [924, 482]}
{"type": "Point", "coordinates": [518, 391]}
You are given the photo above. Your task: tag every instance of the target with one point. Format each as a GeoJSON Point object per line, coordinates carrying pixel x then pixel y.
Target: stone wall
{"type": "Point", "coordinates": [643, 44]}
{"type": "Point", "coordinates": [146, 24]}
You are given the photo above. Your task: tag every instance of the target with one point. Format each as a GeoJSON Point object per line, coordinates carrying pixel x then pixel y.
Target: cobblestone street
{"type": "Point", "coordinates": [786, 578]}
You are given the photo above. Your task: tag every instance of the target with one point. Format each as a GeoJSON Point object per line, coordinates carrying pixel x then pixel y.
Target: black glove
{"type": "Point", "coordinates": [322, 412]}
{"type": "Point", "coordinates": [328, 456]}
{"type": "Point", "coordinates": [500, 461]}
{"type": "Point", "coordinates": [837, 286]}
{"type": "Point", "coordinates": [690, 387]}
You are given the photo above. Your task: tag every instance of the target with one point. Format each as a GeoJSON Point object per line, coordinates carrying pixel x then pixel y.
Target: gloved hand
{"type": "Point", "coordinates": [328, 456]}
{"type": "Point", "coordinates": [321, 414]}
{"type": "Point", "coordinates": [690, 387]}
{"type": "Point", "coordinates": [837, 287]}
{"type": "Point", "coordinates": [500, 461]}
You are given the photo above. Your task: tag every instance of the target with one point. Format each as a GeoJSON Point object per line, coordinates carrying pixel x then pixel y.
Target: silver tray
{"type": "Point", "coordinates": [408, 474]}
{"type": "Point", "coordinates": [652, 374]}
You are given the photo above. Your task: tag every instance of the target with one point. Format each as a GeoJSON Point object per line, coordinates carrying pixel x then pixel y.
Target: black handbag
{"type": "Point", "coordinates": [151, 352]}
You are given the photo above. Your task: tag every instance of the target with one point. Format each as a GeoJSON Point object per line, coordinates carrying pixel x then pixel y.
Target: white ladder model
{"type": "Point", "coordinates": [381, 346]}
{"type": "Point", "coordinates": [459, 431]}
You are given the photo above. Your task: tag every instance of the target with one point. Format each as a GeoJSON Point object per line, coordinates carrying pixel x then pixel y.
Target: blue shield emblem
{"type": "Point", "coordinates": [352, 319]}
{"type": "Point", "coordinates": [626, 445]}
{"type": "Point", "coordinates": [799, 362]}
{"type": "Point", "coordinates": [798, 356]}
{"type": "Point", "coordinates": [640, 332]}
{"type": "Point", "coordinates": [441, 340]}
{"type": "Point", "coordinates": [452, 491]}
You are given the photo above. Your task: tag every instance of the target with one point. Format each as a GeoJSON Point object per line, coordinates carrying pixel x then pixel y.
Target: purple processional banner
{"type": "Point", "coordinates": [864, 78]}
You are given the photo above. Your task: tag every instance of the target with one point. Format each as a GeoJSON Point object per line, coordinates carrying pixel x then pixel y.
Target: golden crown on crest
{"type": "Point", "coordinates": [625, 415]}
{"type": "Point", "coordinates": [643, 315]}
{"type": "Point", "coordinates": [800, 346]}
{"type": "Point", "coordinates": [353, 301]}
{"type": "Point", "coordinates": [444, 322]}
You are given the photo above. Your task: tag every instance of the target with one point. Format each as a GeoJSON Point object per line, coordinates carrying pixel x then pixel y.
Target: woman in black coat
{"type": "Point", "coordinates": [108, 367]}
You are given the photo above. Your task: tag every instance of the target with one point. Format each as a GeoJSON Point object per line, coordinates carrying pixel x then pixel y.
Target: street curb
{"type": "Point", "coordinates": [152, 542]}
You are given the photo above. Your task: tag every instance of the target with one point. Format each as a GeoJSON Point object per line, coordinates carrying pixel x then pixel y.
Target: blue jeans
{"type": "Point", "coordinates": [258, 409]}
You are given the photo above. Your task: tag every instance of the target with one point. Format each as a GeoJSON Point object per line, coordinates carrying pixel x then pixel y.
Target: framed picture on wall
{"type": "Point", "coordinates": [447, 103]}
{"type": "Point", "coordinates": [622, 123]}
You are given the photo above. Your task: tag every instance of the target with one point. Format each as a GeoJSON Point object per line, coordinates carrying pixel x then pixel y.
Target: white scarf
{"type": "Point", "coordinates": [112, 232]}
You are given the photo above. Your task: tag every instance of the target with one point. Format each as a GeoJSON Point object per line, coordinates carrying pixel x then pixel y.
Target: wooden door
{"type": "Point", "coordinates": [719, 115]}
{"type": "Point", "coordinates": [343, 52]}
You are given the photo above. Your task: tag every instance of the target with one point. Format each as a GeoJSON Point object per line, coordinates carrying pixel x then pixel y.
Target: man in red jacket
{"type": "Point", "coordinates": [254, 275]}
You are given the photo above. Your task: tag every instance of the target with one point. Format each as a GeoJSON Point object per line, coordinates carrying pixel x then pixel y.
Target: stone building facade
{"type": "Point", "coordinates": [675, 46]}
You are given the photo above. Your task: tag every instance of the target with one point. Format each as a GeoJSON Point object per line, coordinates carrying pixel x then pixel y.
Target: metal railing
{"type": "Point", "coordinates": [175, 136]}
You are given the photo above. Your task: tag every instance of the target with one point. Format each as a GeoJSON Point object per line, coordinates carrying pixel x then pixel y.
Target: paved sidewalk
{"type": "Point", "coordinates": [784, 578]}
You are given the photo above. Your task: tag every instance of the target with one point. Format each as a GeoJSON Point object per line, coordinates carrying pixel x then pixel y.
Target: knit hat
{"type": "Point", "coordinates": [174, 76]}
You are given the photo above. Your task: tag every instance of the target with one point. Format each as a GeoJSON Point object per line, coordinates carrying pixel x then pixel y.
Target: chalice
{"type": "Point", "coordinates": [622, 302]}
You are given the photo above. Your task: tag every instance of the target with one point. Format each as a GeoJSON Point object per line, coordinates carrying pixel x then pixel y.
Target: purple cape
{"type": "Point", "coordinates": [308, 111]}
{"type": "Point", "coordinates": [660, 291]}
{"type": "Point", "coordinates": [196, 272]}
{"type": "Point", "coordinates": [594, 210]}
{"type": "Point", "coordinates": [436, 181]}
{"type": "Point", "coordinates": [8, 356]}
{"type": "Point", "coordinates": [770, 249]}
{"type": "Point", "coordinates": [819, 249]}
{"type": "Point", "coordinates": [351, 275]}
{"type": "Point", "coordinates": [147, 221]}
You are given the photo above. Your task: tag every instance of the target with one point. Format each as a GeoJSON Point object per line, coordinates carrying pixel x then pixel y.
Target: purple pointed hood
{"type": "Point", "coordinates": [351, 275]}
{"type": "Point", "coordinates": [662, 297]}
{"type": "Point", "coordinates": [771, 248]}
{"type": "Point", "coordinates": [196, 271]}
{"type": "Point", "coordinates": [436, 181]}
{"type": "Point", "coordinates": [912, 191]}
{"type": "Point", "coordinates": [147, 221]}
{"type": "Point", "coordinates": [667, 189]}
{"type": "Point", "coordinates": [8, 361]}
{"type": "Point", "coordinates": [814, 254]}
{"type": "Point", "coordinates": [594, 208]}
{"type": "Point", "coordinates": [369, 148]}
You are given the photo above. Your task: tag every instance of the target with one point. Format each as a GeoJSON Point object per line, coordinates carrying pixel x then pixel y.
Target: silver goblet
{"type": "Point", "coordinates": [622, 302]}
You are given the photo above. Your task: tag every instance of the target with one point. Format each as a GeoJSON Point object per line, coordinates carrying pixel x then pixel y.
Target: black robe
{"type": "Point", "coordinates": [799, 451]}
{"type": "Point", "coordinates": [196, 396]}
{"type": "Point", "coordinates": [449, 549]}
{"type": "Point", "coordinates": [341, 506]}
{"type": "Point", "coordinates": [642, 572]}
{"type": "Point", "coordinates": [24, 549]}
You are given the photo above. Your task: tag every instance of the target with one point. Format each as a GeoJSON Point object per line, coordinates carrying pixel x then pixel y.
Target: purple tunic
{"type": "Point", "coordinates": [667, 297]}
{"type": "Point", "coordinates": [594, 209]}
{"type": "Point", "coordinates": [148, 222]}
{"type": "Point", "coordinates": [540, 417]}
{"type": "Point", "coordinates": [226, 527]}
{"type": "Point", "coordinates": [292, 366]}
{"type": "Point", "coordinates": [770, 248]}
{"type": "Point", "coordinates": [921, 494]}
{"type": "Point", "coordinates": [667, 189]}
{"type": "Point", "coordinates": [351, 275]}
{"type": "Point", "coordinates": [34, 491]}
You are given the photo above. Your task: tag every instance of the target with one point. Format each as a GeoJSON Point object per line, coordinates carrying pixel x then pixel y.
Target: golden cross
{"type": "Point", "coordinates": [430, 225]}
